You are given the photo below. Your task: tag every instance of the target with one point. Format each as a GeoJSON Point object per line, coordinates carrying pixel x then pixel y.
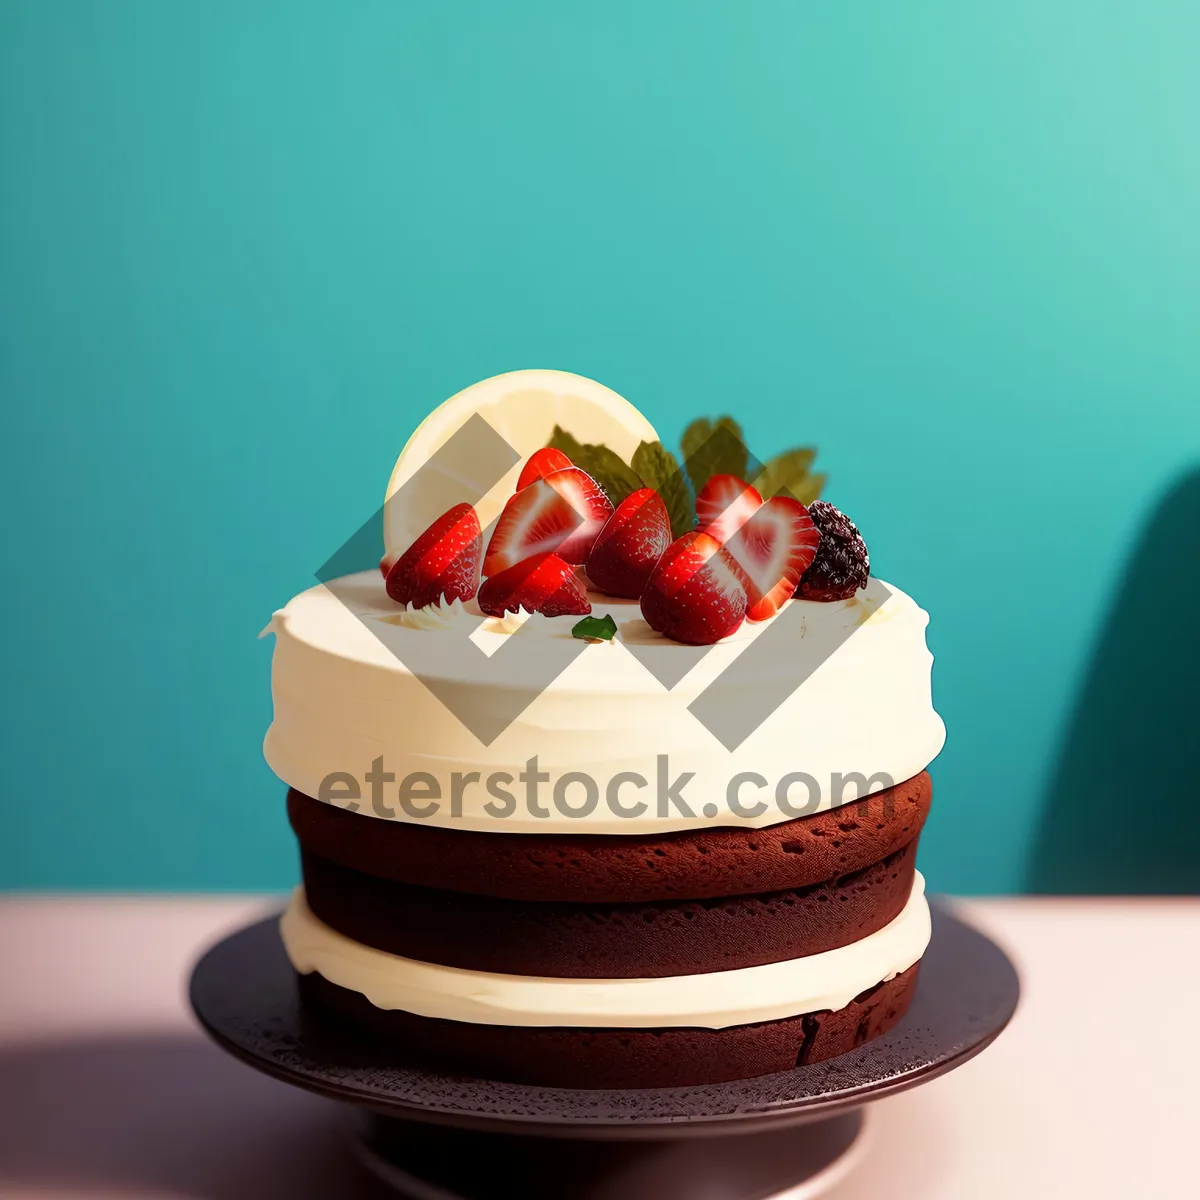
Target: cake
{"type": "Point", "coordinates": [613, 774]}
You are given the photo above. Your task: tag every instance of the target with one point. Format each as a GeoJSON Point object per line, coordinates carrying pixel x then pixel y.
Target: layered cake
{"type": "Point", "coordinates": [613, 774]}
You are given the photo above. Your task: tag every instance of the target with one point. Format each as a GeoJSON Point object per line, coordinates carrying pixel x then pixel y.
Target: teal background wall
{"type": "Point", "coordinates": [244, 247]}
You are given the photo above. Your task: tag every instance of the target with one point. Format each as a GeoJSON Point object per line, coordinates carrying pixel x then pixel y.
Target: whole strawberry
{"type": "Point", "coordinates": [696, 593]}
{"type": "Point", "coordinates": [443, 563]}
{"type": "Point", "coordinates": [632, 541]}
{"type": "Point", "coordinates": [842, 564]}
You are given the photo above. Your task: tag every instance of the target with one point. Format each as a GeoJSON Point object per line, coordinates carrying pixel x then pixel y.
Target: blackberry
{"type": "Point", "coordinates": [842, 564]}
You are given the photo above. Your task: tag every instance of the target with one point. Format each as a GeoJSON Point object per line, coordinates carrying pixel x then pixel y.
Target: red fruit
{"type": "Point", "coordinates": [724, 504]}
{"type": "Point", "coordinates": [774, 548]}
{"type": "Point", "coordinates": [697, 593]}
{"type": "Point", "coordinates": [561, 514]}
{"type": "Point", "coordinates": [385, 565]}
{"type": "Point", "coordinates": [540, 464]}
{"type": "Point", "coordinates": [442, 562]}
{"type": "Point", "coordinates": [632, 541]}
{"type": "Point", "coordinates": [543, 583]}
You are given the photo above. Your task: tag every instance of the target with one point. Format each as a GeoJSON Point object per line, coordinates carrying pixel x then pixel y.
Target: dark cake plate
{"type": "Point", "coordinates": [441, 1137]}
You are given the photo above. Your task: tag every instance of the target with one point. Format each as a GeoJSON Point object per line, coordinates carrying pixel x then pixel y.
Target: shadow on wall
{"type": "Point", "coordinates": [1123, 813]}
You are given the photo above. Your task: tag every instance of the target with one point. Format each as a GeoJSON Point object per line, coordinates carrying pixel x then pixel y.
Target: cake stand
{"type": "Point", "coordinates": [788, 1136]}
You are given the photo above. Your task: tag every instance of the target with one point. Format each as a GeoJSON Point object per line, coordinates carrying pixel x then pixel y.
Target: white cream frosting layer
{"type": "Point", "coordinates": [713, 1001]}
{"type": "Point", "coordinates": [343, 699]}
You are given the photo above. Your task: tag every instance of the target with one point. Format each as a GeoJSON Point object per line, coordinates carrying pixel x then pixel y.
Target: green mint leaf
{"type": "Point", "coordinates": [595, 629]}
{"type": "Point", "coordinates": [658, 469]}
{"type": "Point", "coordinates": [713, 449]}
{"type": "Point", "coordinates": [788, 474]}
{"type": "Point", "coordinates": [609, 470]}
{"type": "Point", "coordinates": [560, 439]}
{"type": "Point", "coordinates": [605, 466]}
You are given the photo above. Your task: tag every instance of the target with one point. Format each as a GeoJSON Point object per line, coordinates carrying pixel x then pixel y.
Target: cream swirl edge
{"type": "Point", "coordinates": [717, 1000]}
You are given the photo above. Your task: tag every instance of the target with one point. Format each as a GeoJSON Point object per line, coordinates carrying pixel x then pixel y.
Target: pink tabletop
{"type": "Point", "coordinates": [108, 1090]}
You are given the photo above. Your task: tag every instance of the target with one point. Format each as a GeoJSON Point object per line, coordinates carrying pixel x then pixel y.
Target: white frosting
{"type": "Point", "coordinates": [343, 698]}
{"type": "Point", "coordinates": [432, 616]}
{"type": "Point", "coordinates": [712, 1001]}
{"type": "Point", "coordinates": [450, 616]}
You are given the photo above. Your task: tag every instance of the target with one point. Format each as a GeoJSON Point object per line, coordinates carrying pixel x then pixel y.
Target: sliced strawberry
{"type": "Point", "coordinates": [442, 563]}
{"type": "Point", "coordinates": [724, 504]}
{"type": "Point", "coordinates": [561, 514]}
{"type": "Point", "coordinates": [385, 565]}
{"type": "Point", "coordinates": [632, 541]}
{"type": "Point", "coordinates": [542, 463]}
{"type": "Point", "coordinates": [774, 548]}
{"type": "Point", "coordinates": [697, 593]}
{"type": "Point", "coordinates": [543, 583]}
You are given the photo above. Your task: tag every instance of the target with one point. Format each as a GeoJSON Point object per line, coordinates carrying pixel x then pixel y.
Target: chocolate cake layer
{"type": "Point", "coordinates": [614, 868]}
{"type": "Point", "coordinates": [607, 941]}
{"type": "Point", "coordinates": [604, 1058]}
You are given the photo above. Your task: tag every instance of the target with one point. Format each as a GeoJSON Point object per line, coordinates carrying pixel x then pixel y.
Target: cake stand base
{"type": "Point", "coordinates": [443, 1137]}
{"type": "Point", "coordinates": [425, 1162]}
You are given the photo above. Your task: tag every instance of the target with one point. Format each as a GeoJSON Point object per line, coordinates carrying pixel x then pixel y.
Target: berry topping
{"type": "Point", "coordinates": [544, 584]}
{"type": "Point", "coordinates": [774, 548]}
{"type": "Point", "coordinates": [542, 463]}
{"type": "Point", "coordinates": [561, 514]}
{"type": "Point", "coordinates": [724, 504]}
{"type": "Point", "coordinates": [442, 563]}
{"type": "Point", "coordinates": [697, 593]}
{"type": "Point", "coordinates": [632, 541]}
{"type": "Point", "coordinates": [842, 564]}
